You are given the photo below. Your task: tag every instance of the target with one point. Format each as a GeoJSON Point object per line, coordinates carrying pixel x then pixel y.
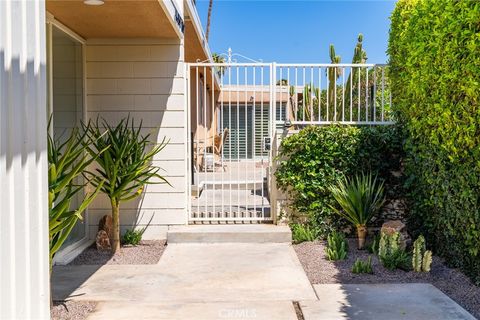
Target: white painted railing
{"type": "Point", "coordinates": [318, 94]}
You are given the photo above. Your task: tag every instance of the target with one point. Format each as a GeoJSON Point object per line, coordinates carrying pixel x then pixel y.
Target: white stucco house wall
{"type": "Point", "coordinates": [77, 61]}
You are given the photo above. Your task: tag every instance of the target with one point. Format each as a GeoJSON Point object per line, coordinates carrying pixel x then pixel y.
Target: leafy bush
{"type": "Point", "coordinates": [360, 198]}
{"type": "Point", "coordinates": [302, 233]}
{"type": "Point", "coordinates": [390, 254]}
{"type": "Point", "coordinates": [397, 259]}
{"type": "Point", "coordinates": [132, 237]}
{"type": "Point", "coordinates": [434, 51]}
{"type": "Point", "coordinates": [319, 156]}
{"type": "Point", "coordinates": [361, 266]}
{"type": "Point", "coordinates": [337, 246]}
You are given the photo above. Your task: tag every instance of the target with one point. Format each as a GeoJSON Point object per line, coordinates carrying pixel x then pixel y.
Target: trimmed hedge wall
{"type": "Point", "coordinates": [318, 156]}
{"type": "Point", "coordinates": [434, 50]}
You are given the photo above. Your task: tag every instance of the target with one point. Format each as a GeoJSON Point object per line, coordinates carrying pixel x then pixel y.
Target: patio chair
{"type": "Point", "coordinates": [214, 159]}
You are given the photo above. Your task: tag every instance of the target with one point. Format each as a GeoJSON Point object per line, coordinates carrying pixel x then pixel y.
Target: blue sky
{"type": "Point", "coordinates": [298, 31]}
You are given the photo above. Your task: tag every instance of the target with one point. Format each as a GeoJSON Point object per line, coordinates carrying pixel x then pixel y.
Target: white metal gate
{"type": "Point", "coordinates": [230, 126]}
{"type": "Point", "coordinates": [236, 110]}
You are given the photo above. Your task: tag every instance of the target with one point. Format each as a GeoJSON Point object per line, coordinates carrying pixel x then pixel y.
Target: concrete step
{"type": "Point", "coordinates": [251, 233]}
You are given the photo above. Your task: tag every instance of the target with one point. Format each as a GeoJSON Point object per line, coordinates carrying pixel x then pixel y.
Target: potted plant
{"type": "Point", "coordinates": [360, 198]}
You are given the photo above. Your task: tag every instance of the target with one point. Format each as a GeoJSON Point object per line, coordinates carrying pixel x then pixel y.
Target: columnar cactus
{"type": "Point", "coordinates": [422, 258]}
{"type": "Point", "coordinates": [418, 251]}
{"type": "Point", "coordinates": [427, 261]}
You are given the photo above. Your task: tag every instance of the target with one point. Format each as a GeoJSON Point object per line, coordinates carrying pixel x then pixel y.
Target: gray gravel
{"type": "Point", "coordinates": [71, 310]}
{"type": "Point", "coordinates": [147, 252]}
{"type": "Point", "coordinates": [451, 281]}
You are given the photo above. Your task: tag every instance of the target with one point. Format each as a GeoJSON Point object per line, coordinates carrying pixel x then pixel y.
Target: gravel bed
{"type": "Point", "coordinates": [147, 252]}
{"type": "Point", "coordinates": [451, 281]}
{"type": "Point", "coordinates": [71, 310]}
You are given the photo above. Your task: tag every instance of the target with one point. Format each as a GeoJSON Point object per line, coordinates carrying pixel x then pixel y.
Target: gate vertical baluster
{"type": "Point", "coordinates": [328, 94]}
{"type": "Point", "coordinates": [246, 140]}
{"type": "Point", "coordinates": [287, 103]}
{"type": "Point", "coordinates": [359, 96]}
{"type": "Point", "coordinates": [238, 142]}
{"type": "Point", "coordinates": [271, 126]}
{"type": "Point", "coordinates": [261, 134]}
{"type": "Point", "coordinates": [312, 94]}
{"type": "Point", "coordinates": [319, 94]}
{"type": "Point", "coordinates": [296, 95]}
{"type": "Point", "coordinates": [222, 139]}
{"type": "Point", "coordinates": [197, 140]}
{"type": "Point", "coordinates": [254, 145]}
{"type": "Point", "coordinates": [351, 94]}
{"type": "Point", "coordinates": [213, 126]}
{"type": "Point", "coordinates": [230, 140]}
{"type": "Point", "coordinates": [205, 79]}
{"type": "Point", "coordinates": [335, 93]}
{"type": "Point", "coordinates": [303, 103]}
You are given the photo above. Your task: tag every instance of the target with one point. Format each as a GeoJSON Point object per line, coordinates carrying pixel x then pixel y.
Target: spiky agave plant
{"type": "Point", "coordinates": [66, 163]}
{"type": "Point", "coordinates": [360, 198]}
{"type": "Point", "coordinates": [126, 166]}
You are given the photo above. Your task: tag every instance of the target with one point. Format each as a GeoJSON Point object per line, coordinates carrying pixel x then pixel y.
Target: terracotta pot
{"type": "Point", "coordinates": [362, 235]}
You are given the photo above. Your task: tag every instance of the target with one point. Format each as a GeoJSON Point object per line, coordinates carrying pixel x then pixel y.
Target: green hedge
{"type": "Point", "coordinates": [320, 155]}
{"type": "Point", "coordinates": [434, 53]}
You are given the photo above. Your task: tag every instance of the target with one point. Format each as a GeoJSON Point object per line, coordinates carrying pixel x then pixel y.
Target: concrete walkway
{"type": "Point", "coordinates": [399, 301]}
{"type": "Point", "coordinates": [218, 280]}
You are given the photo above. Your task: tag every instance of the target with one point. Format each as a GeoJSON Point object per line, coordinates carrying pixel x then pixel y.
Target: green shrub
{"type": "Point", "coordinates": [390, 254]}
{"type": "Point", "coordinates": [361, 266]}
{"type": "Point", "coordinates": [434, 51]}
{"type": "Point", "coordinates": [132, 237]}
{"type": "Point", "coordinates": [337, 246]}
{"type": "Point", "coordinates": [319, 156]}
{"type": "Point", "coordinates": [302, 233]}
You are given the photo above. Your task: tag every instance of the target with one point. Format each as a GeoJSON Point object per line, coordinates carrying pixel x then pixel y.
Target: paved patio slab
{"type": "Point", "coordinates": [410, 301]}
{"type": "Point", "coordinates": [193, 273]}
{"type": "Point", "coordinates": [278, 310]}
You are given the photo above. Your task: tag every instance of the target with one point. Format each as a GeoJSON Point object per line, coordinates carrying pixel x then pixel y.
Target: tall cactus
{"type": "Point", "coordinates": [418, 250]}
{"type": "Point", "coordinates": [333, 74]}
{"type": "Point", "coordinates": [427, 261]}
{"type": "Point", "coordinates": [359, 56]}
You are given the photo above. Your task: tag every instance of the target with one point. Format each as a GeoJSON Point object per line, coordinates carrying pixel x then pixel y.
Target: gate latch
{"type": "Point", "coordinates": [267, 143]}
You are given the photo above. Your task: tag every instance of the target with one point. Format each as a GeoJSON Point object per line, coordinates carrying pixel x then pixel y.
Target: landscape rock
{"type": "Point", "coordinates": [106, 224]}
{"type": "Point", "coordinates": [103, 241]}
{"type": "Point", "coordinates": [392, 226]}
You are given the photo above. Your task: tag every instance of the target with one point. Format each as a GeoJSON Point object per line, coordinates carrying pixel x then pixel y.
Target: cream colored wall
{"type": "Point", "coordinates": [143, 78]}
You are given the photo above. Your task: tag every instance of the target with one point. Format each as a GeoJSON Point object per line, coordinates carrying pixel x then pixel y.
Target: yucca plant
{"type": "Point", "coordinates": [126, 166]}
{"type": "Point", "coordinates": [66, 163]}
{"type": "Point", "coordinates": [360, 199]}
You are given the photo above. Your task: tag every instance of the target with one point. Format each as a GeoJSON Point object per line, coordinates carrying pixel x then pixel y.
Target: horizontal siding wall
{"type": "Point", "coordinates": [144, 79]}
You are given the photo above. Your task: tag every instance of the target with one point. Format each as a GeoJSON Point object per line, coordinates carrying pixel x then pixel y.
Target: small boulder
{"type": "Point", "coordinates": [106, 224]}
{"type": "Point", "coordinates": [392, 226]}
{"type": "Point", "coordinates": [102, 241]}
